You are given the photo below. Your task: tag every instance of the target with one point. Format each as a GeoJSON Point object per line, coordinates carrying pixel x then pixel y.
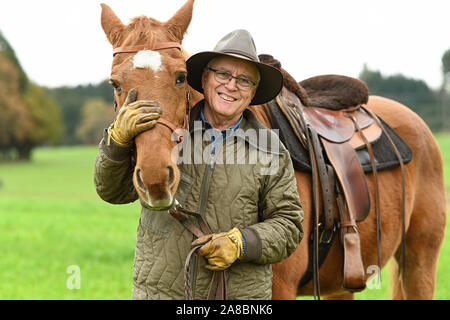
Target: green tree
{"type": "Point", "coordinates": [7, 50]}
{"type": "Point", "coordinates": [45, 115]}
{"type": "Point", "coordinates": [14, 117]}
{"type": "Point", "coordinates": [444, 92]}
{"type": "Point", "coordinates": [28, 116]}
{"type": "Point", "coordinates": [413, 93]}
{"type": "Point", "coordinates": [72, 100]}
{"type": "Point", "coordinates": [446, 64]}
{"type": "Point", "coordinates": [96, 115]}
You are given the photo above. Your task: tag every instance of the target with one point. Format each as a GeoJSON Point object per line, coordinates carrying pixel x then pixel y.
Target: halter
{"type": "Point", "coordinates": [179, 131]}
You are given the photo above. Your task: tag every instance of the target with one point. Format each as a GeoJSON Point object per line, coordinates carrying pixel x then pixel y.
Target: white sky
{"type": "Point", "coordinates": [62, 42]}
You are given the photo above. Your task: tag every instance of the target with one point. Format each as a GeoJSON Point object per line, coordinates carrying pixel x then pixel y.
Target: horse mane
{"type": "Point", "coordinates": [289, 82]}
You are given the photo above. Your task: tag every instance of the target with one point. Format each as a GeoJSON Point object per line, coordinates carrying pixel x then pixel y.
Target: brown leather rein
{"type": "Point", "coordinates": [178, 131]}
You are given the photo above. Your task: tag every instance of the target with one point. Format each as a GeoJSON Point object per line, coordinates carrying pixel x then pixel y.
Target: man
{"type": "Point", "coordinates": [248, 199]}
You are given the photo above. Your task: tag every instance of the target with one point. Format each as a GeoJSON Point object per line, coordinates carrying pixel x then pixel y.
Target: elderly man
{"type": "Point", "coordinates": [251, 206]}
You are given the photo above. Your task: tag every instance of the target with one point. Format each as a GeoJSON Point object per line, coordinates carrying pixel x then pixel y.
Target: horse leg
{"type": "Point", "coordinates": [421, 265]}
{"type": "Point", "coordinates": [396, 287]}
{"type": "Point", "coordinates": [424, 237]}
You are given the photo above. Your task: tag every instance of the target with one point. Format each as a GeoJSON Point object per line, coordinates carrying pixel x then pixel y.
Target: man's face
{"type": "Point", "coordinates": [226, 102]}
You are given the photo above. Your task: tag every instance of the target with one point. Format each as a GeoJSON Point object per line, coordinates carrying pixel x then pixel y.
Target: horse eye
{"type": "Point", "coordinates": [180, 78]}
{"type": "Point", "coordinates": [116, 86]}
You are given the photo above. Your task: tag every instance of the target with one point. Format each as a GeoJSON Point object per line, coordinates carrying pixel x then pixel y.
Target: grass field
{"type": "Point", "coordinates": [52, 220]}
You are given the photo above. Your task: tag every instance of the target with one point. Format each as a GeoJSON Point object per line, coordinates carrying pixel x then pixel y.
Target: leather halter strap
{"type": "Point", "coordinates": [155, 47]}
{"type": "Point", "coordinates": [179, 131]}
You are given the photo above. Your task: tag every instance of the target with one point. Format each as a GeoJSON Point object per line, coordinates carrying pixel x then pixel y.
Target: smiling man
{"type": "Point", "coordinates": [251, 206]}
{"type": "Point", "coordinates": [257, 217]}
{"type": "Point", "coordinates": [226, 97]}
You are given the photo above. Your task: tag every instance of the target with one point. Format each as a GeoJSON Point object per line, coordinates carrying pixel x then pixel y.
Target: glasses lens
{"type": "Point", "coordinates": [222, 76]}
{"type": "Point", "coordinates": [225, 77]}
{"type": "Point", "coordinates": [243, 83]}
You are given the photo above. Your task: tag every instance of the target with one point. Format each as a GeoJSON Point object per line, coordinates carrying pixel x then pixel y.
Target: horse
{"type": "Point", "coordinates": [156, 175]}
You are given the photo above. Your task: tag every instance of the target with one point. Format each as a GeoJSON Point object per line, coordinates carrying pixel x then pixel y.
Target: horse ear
{"type": "Point", "coordinates": [112, 25]}
{"type": "Point", "coordinates": [179, 23]}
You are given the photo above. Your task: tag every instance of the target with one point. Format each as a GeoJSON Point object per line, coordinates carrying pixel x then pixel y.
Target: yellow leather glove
{"type": "Point", "coordinates": [134, 118]}
{"type": "Point", "coordinates": [220, 249]}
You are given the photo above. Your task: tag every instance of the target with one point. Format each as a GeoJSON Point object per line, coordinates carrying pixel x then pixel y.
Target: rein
{"type": "Point", "coordinates": [178, 131]}
{"type": "Point", "coordinates": [218, 288]}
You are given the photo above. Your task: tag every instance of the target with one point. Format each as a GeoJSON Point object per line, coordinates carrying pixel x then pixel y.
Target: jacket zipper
{"type": "Point", "coordinates": [203, 198]}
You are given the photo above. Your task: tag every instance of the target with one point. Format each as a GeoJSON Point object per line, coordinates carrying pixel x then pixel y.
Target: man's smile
{"type": "Point", "coordinates": [227, 97]}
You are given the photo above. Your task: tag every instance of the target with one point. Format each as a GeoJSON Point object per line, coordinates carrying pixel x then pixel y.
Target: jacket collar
{"type": "Point", "coordinates": [266, 140]}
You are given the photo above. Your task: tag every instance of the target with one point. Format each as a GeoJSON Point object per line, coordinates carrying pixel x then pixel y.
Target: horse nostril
{"type": "Point", "coordinates": [171, 175]}
{"type": "Point", "coordinates": [139, 180]}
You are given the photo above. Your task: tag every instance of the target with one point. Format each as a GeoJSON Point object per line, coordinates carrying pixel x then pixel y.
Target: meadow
{"type": "Point", "coordinates": [60, 241]}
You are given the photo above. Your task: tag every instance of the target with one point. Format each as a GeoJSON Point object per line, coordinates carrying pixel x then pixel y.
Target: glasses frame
{"type": "Point", "coordinates": [252, 84]}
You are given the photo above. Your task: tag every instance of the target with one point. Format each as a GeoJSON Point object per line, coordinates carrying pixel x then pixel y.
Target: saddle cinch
{"type": "Point", "coordinates": [333, 127]}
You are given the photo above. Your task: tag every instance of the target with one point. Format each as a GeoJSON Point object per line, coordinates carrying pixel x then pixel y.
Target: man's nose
{"type": "Point", "coordinates": [232, 84]}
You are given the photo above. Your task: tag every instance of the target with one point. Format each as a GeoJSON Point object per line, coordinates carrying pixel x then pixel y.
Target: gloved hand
{"type": "Point", "coordinates": [134, 118]}
{"type": "Point", "coordinates": [220, 249]}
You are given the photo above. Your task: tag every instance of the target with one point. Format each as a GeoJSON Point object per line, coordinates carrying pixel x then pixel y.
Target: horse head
{"type": "Point", "coordinates": [149, 58]}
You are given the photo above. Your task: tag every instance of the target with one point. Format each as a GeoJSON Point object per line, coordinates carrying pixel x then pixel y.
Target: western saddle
{"type": "Point", "coordinates": [332, 127]}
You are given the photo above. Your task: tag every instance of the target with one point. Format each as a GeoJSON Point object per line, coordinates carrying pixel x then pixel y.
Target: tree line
{"type": "Point", "coordinates": [28, 116]}
{"type": "Point", "coordinates": [31, 115]}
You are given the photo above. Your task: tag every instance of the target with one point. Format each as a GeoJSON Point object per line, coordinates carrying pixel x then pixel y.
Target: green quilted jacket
{"type": "Point", "coordinates": [256, 193]}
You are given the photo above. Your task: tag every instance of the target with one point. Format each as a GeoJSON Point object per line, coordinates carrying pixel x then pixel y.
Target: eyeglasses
{"type": "Point", "coordinates": [225, 77]}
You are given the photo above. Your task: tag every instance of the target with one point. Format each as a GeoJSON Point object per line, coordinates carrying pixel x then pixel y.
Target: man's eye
{"type": "Point", "coordinates": [223, 74]}
{"type": "Point", "coordinates": [244, 81]}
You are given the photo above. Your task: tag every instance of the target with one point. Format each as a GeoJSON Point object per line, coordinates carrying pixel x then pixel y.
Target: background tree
{"type": "Point", "coordinates": [45, 116]}
{"type": "Point", "coordinates": [72, 100]}
{"type": "Point", "coordinates": [28, 116]}
{"type": "Point", "coordinates": [413, 93]}
{"type": "Point", "coordinates": [14, 118]}
{"type": "Point", "coordinates": [96, 115]}
{"type": "Point", "coordinates": [444, 93]}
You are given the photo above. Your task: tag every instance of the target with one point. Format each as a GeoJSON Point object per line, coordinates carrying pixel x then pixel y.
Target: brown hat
{"type": "Point", "coordinates": [237, 44]}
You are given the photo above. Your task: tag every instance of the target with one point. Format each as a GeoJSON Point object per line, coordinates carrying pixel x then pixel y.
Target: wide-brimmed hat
{"type": "Point", "coordinates": [237, 44]}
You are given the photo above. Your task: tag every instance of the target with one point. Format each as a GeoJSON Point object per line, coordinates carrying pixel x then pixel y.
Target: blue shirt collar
{"type": "Point", "coordinates": [225, 132]}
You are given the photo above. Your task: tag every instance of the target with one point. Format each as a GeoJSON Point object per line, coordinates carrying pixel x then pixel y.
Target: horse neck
{"type": "Point", "coordinates": [261, 112]}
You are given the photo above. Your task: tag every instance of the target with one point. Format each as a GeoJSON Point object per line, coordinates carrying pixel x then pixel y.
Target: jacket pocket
{"type": "Point", "coordinates": [161, 222]}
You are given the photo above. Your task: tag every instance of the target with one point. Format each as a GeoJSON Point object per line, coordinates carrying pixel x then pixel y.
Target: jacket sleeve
{"type": "Point", "coordinates": [280, 231]}
{"type": "Point", "coordinates": [113, 174]}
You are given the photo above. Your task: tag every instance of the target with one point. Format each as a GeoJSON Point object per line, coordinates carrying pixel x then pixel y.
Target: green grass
{"type": "Point", "coordinates": [52, 218]}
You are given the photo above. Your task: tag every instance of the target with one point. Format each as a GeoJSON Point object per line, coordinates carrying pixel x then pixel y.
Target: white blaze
{"type": "Point", "coordinates": [148, 59]}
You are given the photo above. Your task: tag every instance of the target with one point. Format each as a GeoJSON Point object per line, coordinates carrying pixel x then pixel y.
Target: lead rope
{"type": "Point", "coordinates": [218, 283]}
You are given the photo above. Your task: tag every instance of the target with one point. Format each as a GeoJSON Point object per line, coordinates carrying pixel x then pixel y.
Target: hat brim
{"type": "Point", "coordinates": [269, 87]}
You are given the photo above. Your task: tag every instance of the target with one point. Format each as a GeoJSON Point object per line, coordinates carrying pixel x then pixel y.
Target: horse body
{"type": "Point", "coordinates": [425, 216]}
{"type": "Point", "coordinates": [156, 175]}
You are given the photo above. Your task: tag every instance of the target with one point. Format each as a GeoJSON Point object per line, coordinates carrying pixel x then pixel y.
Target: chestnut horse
{"type": "Point", "coordinates": [156, 175]}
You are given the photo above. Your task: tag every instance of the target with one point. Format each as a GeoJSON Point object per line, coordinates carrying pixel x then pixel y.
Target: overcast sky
{"type": "Point", "coordinates": [62, 42]}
